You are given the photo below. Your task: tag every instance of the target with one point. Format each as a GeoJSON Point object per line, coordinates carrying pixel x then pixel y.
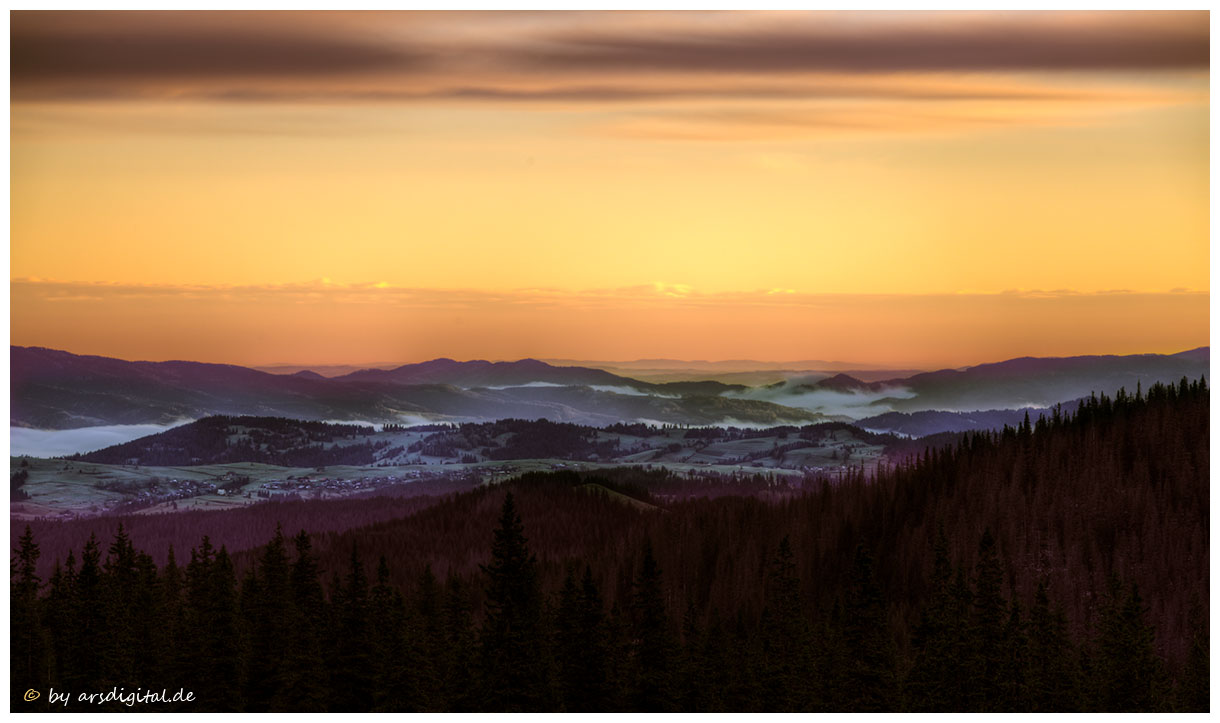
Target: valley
{"type": "Point", "coordinates": [258, 436]}
{"type": "Point", "coordinates": [222, 462]}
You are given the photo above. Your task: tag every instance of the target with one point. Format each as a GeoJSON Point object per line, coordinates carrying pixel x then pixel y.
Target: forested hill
{"type": "Point", "coordinates": [223, 439]}
{"type": "Point", "coordinates": [1058, 566]}
{"type": "Point", "coordinates": [294, 443]}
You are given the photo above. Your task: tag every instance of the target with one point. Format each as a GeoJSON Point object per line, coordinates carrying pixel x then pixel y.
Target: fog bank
{"type": "Point", "coordinates": [24, 442]}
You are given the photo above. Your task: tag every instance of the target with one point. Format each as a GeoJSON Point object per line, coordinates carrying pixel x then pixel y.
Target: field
{"type": "Point", "coordinates": [69, 488]}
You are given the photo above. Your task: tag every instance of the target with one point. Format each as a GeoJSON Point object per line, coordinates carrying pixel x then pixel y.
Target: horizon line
{"type": "Point", "coordinates": [360, 366]}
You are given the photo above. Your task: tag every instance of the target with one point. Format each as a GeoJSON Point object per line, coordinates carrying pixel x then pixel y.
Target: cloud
{"type": "Point", "coordinates": [767, 123]}
{"type": "Point", "coordinates": [896, 42]}
{"type": "Point", "coordinates": [733, 76]}
{"type": "Point", "coordinates": [578, 57]}
{"type": "Point", "coordinates": [382, 295]}
{"type": "Point", "coordinates": [552, 90]}
{"type": "Point", "coordinates": [87, 47]}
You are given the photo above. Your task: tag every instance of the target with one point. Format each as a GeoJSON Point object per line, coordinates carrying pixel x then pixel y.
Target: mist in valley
{"type": "Point", "coordinates": [26, 442]}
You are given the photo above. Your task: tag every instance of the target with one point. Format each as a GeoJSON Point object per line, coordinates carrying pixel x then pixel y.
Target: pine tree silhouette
{"type": "Point", "coordinates": [654, 649]}
{"type": "Point", "coordinates": [513, 673]}
{"type": "Point", "coordinates": [870, 673]}
{"type": "Point", "coordinates": [28, 653]}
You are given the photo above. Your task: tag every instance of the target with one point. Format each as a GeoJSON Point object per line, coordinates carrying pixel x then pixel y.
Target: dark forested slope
{"type": "Point", "coordinates": [1055, 566]}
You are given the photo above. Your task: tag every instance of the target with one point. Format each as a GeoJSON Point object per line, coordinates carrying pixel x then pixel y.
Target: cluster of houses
{"type": "Point", "coordinates": [159, 491]}
{"type": "Point", "coordinates": [296, 485]}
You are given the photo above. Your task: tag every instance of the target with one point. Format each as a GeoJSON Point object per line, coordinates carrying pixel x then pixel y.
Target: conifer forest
{"type": "Point", "coordinates": [1061, 565]}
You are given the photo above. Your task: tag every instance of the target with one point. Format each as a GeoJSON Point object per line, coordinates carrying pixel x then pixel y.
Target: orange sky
{"type": "Point", "coordinates": [906, 188]}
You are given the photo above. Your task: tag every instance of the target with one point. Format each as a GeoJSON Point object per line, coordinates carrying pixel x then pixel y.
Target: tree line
{"type": "Point", "coordinates": [279, 640]}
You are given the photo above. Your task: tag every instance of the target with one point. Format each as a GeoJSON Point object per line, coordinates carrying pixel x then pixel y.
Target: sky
{"type": "Point", "coordinates": [914, 189]}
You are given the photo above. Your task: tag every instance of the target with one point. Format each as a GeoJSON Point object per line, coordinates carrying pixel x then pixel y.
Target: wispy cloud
{"type": "Point", "coordinates": [336, 323]}
{"type": "Point", "coordinates": [382, 294]}
{"type": "Point", "coordinates": [651, 61]}
{"type": "Point", "coordinates": [898, 42]}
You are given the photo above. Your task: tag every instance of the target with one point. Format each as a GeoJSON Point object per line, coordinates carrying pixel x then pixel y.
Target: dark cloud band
{"type": "Point", "coordinates": [997, 44]}
{"type": "Point", "coordinates": [291, 55]}
{"type": "Point", "coordinates": [176, 48]}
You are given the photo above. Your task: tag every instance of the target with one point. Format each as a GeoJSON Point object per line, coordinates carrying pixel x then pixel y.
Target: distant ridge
{"type": "Point", "coordinates": [842, 383]}
{"type": "Point", "coordinates": [720, 365]}
{"type": "Point", "coordinates": [1044, 381]}
{"type": "Point", "coordinates": [54, 389]}
{"type": "Point", "coordinates": [484, 373]}
{"type": "Point", "coordinates": [1202, 353]}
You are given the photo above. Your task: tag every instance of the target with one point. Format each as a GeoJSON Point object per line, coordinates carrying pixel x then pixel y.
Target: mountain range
{"type": "Point", "coordinates": [59, 390]}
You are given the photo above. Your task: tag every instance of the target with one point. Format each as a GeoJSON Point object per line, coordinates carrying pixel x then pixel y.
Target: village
{"type": "Point", "coordinates": [456, 458]}
{"type": "Point", "coordinates": [135, 491]}
{"type": "Point", "coordinates": [240, 489]}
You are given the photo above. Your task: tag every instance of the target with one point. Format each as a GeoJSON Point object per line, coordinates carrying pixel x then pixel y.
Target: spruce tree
{"type": "Point", "coordinates": [461, 650]}
{"type": "Point", "coordinates": [89, 632]}
{"type": "Point", "coordinates": [935, 680]}
{"type": "Point", "coordinates": [745, 691]}
{"type": "Point", "coordinates": [567, 645]}
{"type": "Point", "coordinates": [654, 648]}
{"type": "Point", "coordinates": [153, 641]}
{"type": "Point", "coordinates": [691, 682]}
{"type": "Point", "coordinates": [351, 664]}
{"type": "Point", "coordinates": [581, 646]}
{"type": "Point", "coordinates": [61, 618]}
{"type": "Point", "coordinates": [594, 678]}
{"type": "Point", "coordinates": [426, 631]}
{"type": "Point", "coordinates": [716, 670]}
{"type": "Point", "coordinates": [1051, 678]}
{"type": "Point", "coordinates": [29, 655]}
{"type": "Point", "coordinates": [117, 644]}
{"type": "Point", "coordinates": [831, 692]}
{"type": "Point", "coordinates": [1193, 692]}
{"type": "Point", "coordinates": [786, 640]}
{"type": "Point", "coordinates": [1013, 685]}
{"type": "Point", "coordinates": [270, 618]}
{"type": "Point", "coordinates": [513, 670]}
{"type": "Point", "coordinates": [1129, 676]}
{"type": "Point", "coordinates": [306, 683]}
{"type": "Point", "coordinates": [223, 647]}
{"type": "Point", "coordinates": [393, 661]}
{"type": "Point", "coordinates": [987, 628]}
{"type": "Point", "coordinates": [870, 675]}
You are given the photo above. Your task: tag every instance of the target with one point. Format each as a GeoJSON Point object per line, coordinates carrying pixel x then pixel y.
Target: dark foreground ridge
{"type": "Point", "coordinates": [1057, 566]}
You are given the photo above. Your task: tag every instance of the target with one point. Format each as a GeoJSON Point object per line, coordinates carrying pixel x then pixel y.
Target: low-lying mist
{"type": "Point", "coordinates": [855, 404]}
{"type": "Point", "coordinates": [25, 442]}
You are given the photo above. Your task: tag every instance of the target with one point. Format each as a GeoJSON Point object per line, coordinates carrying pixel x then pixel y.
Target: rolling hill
{"type": "Point", "coordinates": [58, 390]}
